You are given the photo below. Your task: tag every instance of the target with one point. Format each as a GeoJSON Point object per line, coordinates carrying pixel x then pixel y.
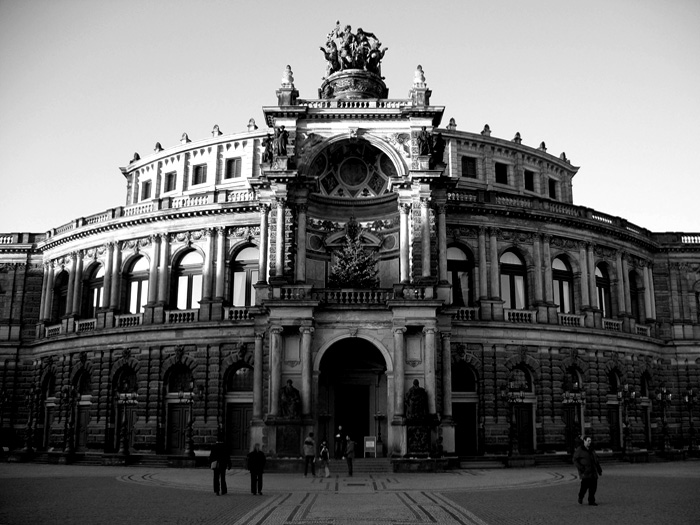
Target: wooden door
{"type": "Point", "coordinates": [523, 421]}
{"type": "Point", "coordinates": [465, 418]}
{"type": "Point", "coordinates": [177, 426]}
{"type": "Point", "coordinates": [614, 421]}
{"type": "Point", "coordinates": [82, 419]}
{"type": "Point", "coordinates": [238, 419]}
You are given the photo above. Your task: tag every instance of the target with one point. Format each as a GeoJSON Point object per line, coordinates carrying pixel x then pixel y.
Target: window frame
{"type": "Point", "coordinates": [170, 182]}
{"type": "Point", "coordinates": [529, 180]}
{"type": "Point", "coordinates": [140, 279]}
{"type": "Point", "coordinates": [199, 174]}
{"type": "Point", "coordinates": [500, 169]}
{"type": "Point", "coordinates": [469, 165]}
{"type": "Point", "coordinates": [561, 280]}
{"type": "Point", "coordinates": [235, 165]}
{"type": "Point", "coordinates": [512, 272]}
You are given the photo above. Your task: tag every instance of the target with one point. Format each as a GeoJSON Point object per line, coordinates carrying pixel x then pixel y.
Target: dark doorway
{"type": "Point", "coordinates": [523, 420]}
{"type": "Point", "coordinates": [614, 421]}
{"type": "Point", "coordinates": [464, 415]}
{"type": "Point", "coordinates": [353, 409]}
{"type": "Point", "coordinates": [81, 431]}
{"type": "Point", "coordinates": [177, 425]}
{"type": "Point", "coordinates": [238, 418]}
{"type": "Point", "coordinates": [131, 417]}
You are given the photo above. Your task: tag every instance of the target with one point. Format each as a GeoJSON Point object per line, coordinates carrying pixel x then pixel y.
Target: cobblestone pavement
{"type": "Point", "coordinates": [628, 494]}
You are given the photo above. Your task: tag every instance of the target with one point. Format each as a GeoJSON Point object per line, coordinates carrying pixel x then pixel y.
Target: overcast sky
{"type": "Point", "coordinates": [86, 83]}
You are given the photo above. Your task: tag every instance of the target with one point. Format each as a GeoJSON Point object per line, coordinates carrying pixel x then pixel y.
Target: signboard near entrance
{"type": "Point", "coordinates": [370, 445]}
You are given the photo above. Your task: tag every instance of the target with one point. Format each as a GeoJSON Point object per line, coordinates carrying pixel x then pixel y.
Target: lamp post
{"type": "Point", "coordinates": [124, 399]}
{"type": "Point", "coordinates": [512, 395]}
{"type": "Point", "coordinates": [69, 396]}
{"type": "Point", "coordinates": [32, 398]}
{"type": "Point", "coordinates": [189, 399]}
{"type": "Point", "coordinates": [574, 397]}
{"type": "Point", "coordinates": [690, 399]}
{"type": "Point", "coordinates": [664, 399]}
{"type": "Point", "coordinates": [626, 396]}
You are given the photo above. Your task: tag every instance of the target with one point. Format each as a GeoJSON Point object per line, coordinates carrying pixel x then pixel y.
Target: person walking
{"type": "Point", "coordinates": [310, 454]}
{"type": "Point", "coordinates": [256, 465]}
{"type": "Point", "coordinates": [586, 461]}
{"type": "Point", "coordinates": [220, 462]}
{"type": "Point", "coordinates": [349, 453]}
{"type": "Point", "coordinates": [325, 459]}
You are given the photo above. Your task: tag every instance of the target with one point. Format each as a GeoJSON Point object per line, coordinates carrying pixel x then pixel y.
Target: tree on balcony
{"type": "Point", "coordinates": [355, 267]}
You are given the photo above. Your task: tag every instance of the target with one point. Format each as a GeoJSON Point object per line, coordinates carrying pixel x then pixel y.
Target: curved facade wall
{"type": "Point", "coordinates": [188, 311]}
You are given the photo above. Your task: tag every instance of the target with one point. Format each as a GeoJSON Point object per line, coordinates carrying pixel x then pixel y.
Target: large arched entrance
{"type": "Point", "coordinates": [353, 394]}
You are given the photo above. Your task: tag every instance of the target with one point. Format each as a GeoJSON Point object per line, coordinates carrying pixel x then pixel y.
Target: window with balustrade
{"type": "Point", "coordinates": [529, 180]}
{"type": "Point", "coordinates": [199, 174]}
{"type": "Point", "coordinates": [59, 306]}
{"type": "Point", "coordinates": [233, 168]}
{"type": "Point", "coordinates": [187, 281]}
{"type": "Point", "coordinates": [244, 275]}
{"type": "Point", "coordinates": [552, 189]}
{"type": "Point", "coordinates": [146, 190]}
{"type": "Point", "coordinates": [501, 173]}
{"type": "Point", "coordinates": [513, 281]}
{"type": "Point", "coordinates": [136, 285]}
{"type": "Point", "coordinates": [93, 291]}
{"type": "Point", "coordinates": [460, 269]}
{"type": "Point", "coordinates": [170, 182]}
{"type": "Point", "coordinates": [602, 285]}
{"type": "Point", "coordinates": [563, 280]}
{"type": "Point", "coordinates": [469, 167]}
{"type": "Point", "coordinates": [636, 296]}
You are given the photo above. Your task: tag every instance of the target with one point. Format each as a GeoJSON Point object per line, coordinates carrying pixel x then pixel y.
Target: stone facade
{"type": "Point", "coordinates": [153, 326]}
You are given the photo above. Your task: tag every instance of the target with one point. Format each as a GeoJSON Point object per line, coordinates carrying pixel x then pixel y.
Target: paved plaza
{"type": "Point", "coordinates": [657, 493]}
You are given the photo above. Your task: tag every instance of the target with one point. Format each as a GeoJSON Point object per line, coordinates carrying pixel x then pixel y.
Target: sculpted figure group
{"type": "Point", "coordinates": [345, 50]}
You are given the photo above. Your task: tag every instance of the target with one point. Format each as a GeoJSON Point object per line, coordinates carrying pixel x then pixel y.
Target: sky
{"type": "Point", "coordinates": [86, 83]}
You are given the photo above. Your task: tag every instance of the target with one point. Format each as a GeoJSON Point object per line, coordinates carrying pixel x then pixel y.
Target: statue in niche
{"type": "Point", "coordinates": [438, 150]}
{"type": "Point", "coordinates": [290, 401]}
{"type": "Point", "coordinates": [268, 146]}
{"type": "Point", "coordinates": [416, 402]}
{"type": "Point", "coordinates": [425, 142]}
{"type": "Point", "coordinates": [281, 139]}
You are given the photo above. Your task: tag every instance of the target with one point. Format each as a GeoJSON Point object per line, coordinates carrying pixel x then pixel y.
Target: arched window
{"type": "Point", "coordinates": [60, 296]}
{"type": "Point", "coordinates": [563, 279]}
{"type": "Point", "coordinates": [240, 379]}
{"type": "Point", "coordinates": [613, 382]}
{"type": "Point", "coordinates": [644, 387]}
{"type": "Point", "coordinates": [602, 284]}
{"type": "Point", "coordinates": [520, 377]}
{"type": "Point", "coordinates": [82, 383]}
{"type": "Point", "coordinates": [513, 281]}
{"type": "Point", "coordinates": [93, 289]}
{"type": "Point", "coordinates": [572, 379]}
{"type": "Point", "coordinates": [136, 282]}
{"type": "Point", "coordinates": [463, 377]}
{"type": "Point", "coordinates": [244, 277]}
{"type": "Point", "coordinates": [125, 380]}
{"type": "Point", "coordinates": [187, 280]}
{"type": "Point", "coordinates": [459, 275]}
{"type": "Point", "coordinates": [180, 379]}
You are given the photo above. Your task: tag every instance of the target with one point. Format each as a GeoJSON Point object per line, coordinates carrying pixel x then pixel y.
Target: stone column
{"type": "Point", "coordinates": [44, 293]}
{"type": "Point", "coordinates": [620, 283]}
{"type": "Point", "coordinates": [592, 289]}
{"type": "Point", "coordinates": [262, 256]}
{"type": "Point", "coordinates": [107, 282]}
{"type": "Point", "coordinates": [494, 284]}
{"type": "Point", "coordinates": [220, 264]}
{"type": "Point", "coordinates": [647, 292]}
{"type": "Point", "coordinates": [71, 283]}
{"type": "Point", "coordinates": [48, 303]}
{"type": "Point", "coordinates": [583, 261]}
{"type": "Point", "coordinates": [78, 283]}
{"type": "Point", "coordinates": [537, 247]}
{"type": "Point", "coordinates": [208, 268]}
{"type": "Point", "coordinates": [483, 265]}
{"type": "Point", "coordinates": [446, 376]}
{"type": "Point", "coordinates": [258, 376]}
{"type": "Point", "coordinates": [116, 272]}
{"type": "Point", "coordinates": [429, 332]}
{"type": "Point", "coordinates": [404, 241]}
{"type": "Point", "coordinates": [548, 285]}
{"type": "Point", "coordinates": [425, 236]}
{"type": "Point", "coordinates": [399, 359]}
{"type": "Point", "coordinates": [275, 369]}
{"type": "Point", "coordinates": [653, 294]}
{"type": "Point", "coordinates": [442, 244]}
{"type": "Point", "coordinates": [626, 283]}
{"type": "Point", "coordinates": [163, 270]}
{"type": "Point", "coordinates": [301, 243]}
{"type": "Point", "coordinates": [279, 252]}
{"type": "Point", "coordinates": [153, 271]}
{"type": "Point", "coordinates": [306, 370]}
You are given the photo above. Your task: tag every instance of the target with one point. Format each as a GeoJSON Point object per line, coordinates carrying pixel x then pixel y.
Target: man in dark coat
{"type": "Point", "coordinates": [586, 461]}
{"type": "Point", "coordinates": [220, 455]}
{"type": "Point", "coordinates": [349, 453]}
{"type": "Point", "coordinates": [256, 465]}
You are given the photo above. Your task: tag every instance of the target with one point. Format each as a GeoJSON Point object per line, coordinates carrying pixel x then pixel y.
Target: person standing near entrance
{"type": "Point", "coordinates": [310, 454]}
{"type": "Point", "coordinates": [339, 444]}
{"type": "Point", "coordinates": [325, 459]}
{"type": "Point", "coordinates": [220, 462]}
{"type": "Point", "coordinates": [349, 453]}
{"type": "Point", "coordinates": [586, 461]}
{"type": "Point", "coordinates": [256, 465]}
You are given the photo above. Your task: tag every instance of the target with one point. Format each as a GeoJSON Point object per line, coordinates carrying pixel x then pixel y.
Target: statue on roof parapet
{"type": "Point", "coordinates": [345, 50]}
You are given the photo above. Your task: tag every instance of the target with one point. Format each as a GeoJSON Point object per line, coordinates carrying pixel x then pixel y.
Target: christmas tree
{"type": "Point", "coordinates": [354, 267]}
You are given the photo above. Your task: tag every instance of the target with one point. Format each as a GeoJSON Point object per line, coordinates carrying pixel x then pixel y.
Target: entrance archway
{"type": "Point", "coordinates": [353, 394]}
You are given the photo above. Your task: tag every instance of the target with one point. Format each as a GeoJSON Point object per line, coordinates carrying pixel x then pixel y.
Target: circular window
{"type": "Point", "coordinates": [353, 171]}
